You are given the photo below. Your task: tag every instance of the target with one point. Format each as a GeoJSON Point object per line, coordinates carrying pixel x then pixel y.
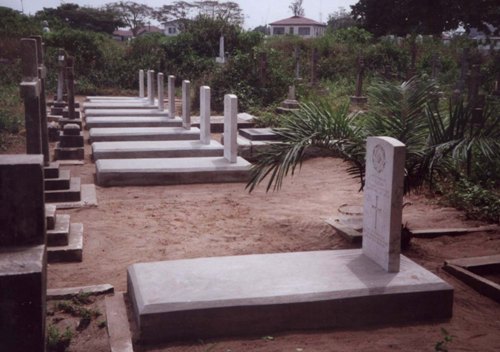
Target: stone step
{"type": "Point", "coordinates": [143, 134]}
{"type": "Point", "coordinates": [59, 235]}
{"type": "Point", "coordinates": [62, 182]}
{"type": "Point", "coordinates": [50, 216]}
{"type": "Point", "coordinates": [170, 171]}
{"type": "Point", "coordinates": [72, 194]}
{"type": "Point", "coordinates": [155, 149]}
{"type": "Point", "coordinates": [131, 121]}
{"type": "Point", "coordinates": [203, 298]}
{"type": "Point", "coordinates": [51, 171]}
{"type": "Point", "coordinates": [126, 112]}
{"type": "Point", "coordinates": [73, 252]}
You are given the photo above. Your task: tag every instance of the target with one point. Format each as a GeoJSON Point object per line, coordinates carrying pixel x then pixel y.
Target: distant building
{"type": "Point", "coordinates": [148, 29]}
{"type": "Point", "coordinates": [171, 28]}
{"type": "Point", "coordinates": [122, 35]}
{"type": "Point", "coordinates": [298, 25]}
{"type": "Point", "coordinates": [486, 41]}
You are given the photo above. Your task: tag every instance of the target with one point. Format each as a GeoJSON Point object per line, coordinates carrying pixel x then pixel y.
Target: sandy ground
{"type": "Point", "coordinates": [142, 224]}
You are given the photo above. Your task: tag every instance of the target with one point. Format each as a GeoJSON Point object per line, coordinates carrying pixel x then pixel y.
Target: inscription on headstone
{"type": "Point", "coordinates": [383, 201]}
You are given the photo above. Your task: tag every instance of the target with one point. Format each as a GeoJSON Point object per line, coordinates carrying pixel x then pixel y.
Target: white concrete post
{"type": "Point", "coordinates": [148, 84]}
{"type": "Point", "coordinates": [141, 83]}
{"type": "Point", "coordinates": [171, 96]}
{"type": "Point", "coordinates": [222, 53]}
{"type": "Point", "coordinates": [152, 80]}
{"type": "Point", "coordinates": [205, 115]}
{"type": "Point", "coordinates": [161, 104]}
{"type": "Point", "coordinates": [186, 105]}
{"type": "Point", "coordinates": [230, 127]}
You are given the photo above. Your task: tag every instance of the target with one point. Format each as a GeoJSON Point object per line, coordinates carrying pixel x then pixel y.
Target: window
{"type": "Point", "coordinates": [278, 30]}
{"type": "Point", "coordinates": [290, 30]}
{"type": "Point", "coordinates": [172, 30]}
{"type": "Point", "coordinates": [304, 30]}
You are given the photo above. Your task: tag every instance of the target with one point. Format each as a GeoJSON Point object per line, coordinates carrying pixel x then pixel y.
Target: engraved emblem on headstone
{"type": "Point", "coordinates": [378, 158]}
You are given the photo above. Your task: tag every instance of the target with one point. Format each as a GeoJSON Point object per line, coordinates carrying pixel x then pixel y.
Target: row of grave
{"type": "Point", "coordinates": [136, 141]}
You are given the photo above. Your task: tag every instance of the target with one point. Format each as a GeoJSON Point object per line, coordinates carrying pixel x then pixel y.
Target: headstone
{"type": "Point", "coordinates": [61, 65]}
{"type": "Point", "coordinates": [22, 254]}
{"type": "Point", "coordinates": [290, 103]}
{"type": "Point", "coordinates": [161, 96]}
{"type": "Point", "coordinates": [222, 56]}
{"type": "Point", "coordinates": [42, 74]}
{"type": "Point", "coordinates": [358, 97]}
{"type": "Point", "coordinates": [70, 85]}
{"type": "Point", "coordinates": [151, 89]}
{"type": "Point", "coordinates": [230, 127]}
{"type": "Point", "coordinates": [186, 104]}
{"type": "Point", "coordinates": [205, 108]}
{"type": "Point", "coordinates": [30, 92]}
{"type": "Point", "coordinates": [383, 201]}
{"type": "Point", "coordinates": [171, 96]}
{"type": "Point", "coordinates": [141, 83]}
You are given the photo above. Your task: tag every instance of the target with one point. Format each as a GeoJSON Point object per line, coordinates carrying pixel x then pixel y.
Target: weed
{"type": "Point", "coordinates": [442, 345]}
{"type": "Point", "coordinates": [102, 324]}
{"type": "Point", "coordinates": [57, 341]}
{"type": "Point", "coordinates": [82, 298]}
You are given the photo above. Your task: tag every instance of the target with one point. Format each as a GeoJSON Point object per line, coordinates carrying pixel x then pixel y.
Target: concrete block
{"type": "Point", "coordinates": [259, 134]}
{"type": "Point", "coordinates": [50, 216]}
{"type": "Point", "coordinates": [61, 182]}
{"type": "Point", "coordinates": [65, 195]}
{"type": "Point", "coordinates": [22, 210]}
{"type": "Point", "coordinates": [22, 298]}
{"type": "Point", "coordinates": [77, 153]}
{"type": "Point", "coordinates": [58, 236]}
{"type": "Point", "coordinates": [71, 129]}
{"type": "Point", "coordinates": [73, 252]}
{"type": "Point", "coordinates": [267, 293]}
{"type": "Point", "coordinates": [71, 141]}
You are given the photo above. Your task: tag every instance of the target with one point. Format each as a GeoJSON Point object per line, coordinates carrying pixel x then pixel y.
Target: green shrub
{"type": "Point", "coordinates": [57, 341]}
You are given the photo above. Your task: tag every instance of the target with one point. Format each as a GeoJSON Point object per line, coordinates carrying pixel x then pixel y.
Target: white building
{"type": "Point", "coordinates": [171, 28]}
{"type": "Point", "coordinates": [298, 25]}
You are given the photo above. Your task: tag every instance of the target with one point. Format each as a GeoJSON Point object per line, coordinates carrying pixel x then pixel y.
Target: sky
{"type": "Point", "coordinates": [257, 12]}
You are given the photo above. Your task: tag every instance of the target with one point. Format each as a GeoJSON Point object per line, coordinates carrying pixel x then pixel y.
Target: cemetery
{"type": "Point", "coordinates": [278, 194]}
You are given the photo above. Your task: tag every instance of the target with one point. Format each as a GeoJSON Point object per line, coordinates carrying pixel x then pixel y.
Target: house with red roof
{"type": "Point", "coordinates": [298, 25]}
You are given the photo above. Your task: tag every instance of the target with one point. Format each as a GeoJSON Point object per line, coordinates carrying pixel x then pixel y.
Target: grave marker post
{"type": "Point", "coordinates": [205, 115]}
{"type": "Point", "coordinates": [70, 85]}
{"type": "Point", "coordinates": [383, 201]}
{"type": "Point", "coordinates": [151, 87]}
{"type": "Point", "coordinates": [161, 95]}
{"type": "Point", "coordinates": [230, 127]}
{"type": "Point", "coordinates": [141, 83]}
{"type": "Point", "coordinates": [61, 65]}
{"type": "Point", "coordinates": [186, 104]}
{"type": "Point", "coordinates": [171, 96]}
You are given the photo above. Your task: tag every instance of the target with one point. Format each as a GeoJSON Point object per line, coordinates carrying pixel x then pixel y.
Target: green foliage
{"type": "Point", "coordinates": [478, 202]}
{"type": "Point", "coordinates": [11, 113]}
{"type": "Point", "coordinates": [14, 26]}
{"type": "Point", "coordinates": [57, 341]}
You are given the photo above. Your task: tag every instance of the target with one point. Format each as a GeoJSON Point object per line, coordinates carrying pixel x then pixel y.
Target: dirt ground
{"type": "Point", "coordinates": [143, 224]}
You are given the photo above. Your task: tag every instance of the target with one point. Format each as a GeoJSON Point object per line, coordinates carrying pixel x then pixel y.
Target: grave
{"type": "Point", "coordinates": [290, 103]}
{"type": "Point", "coordinates": [152, 171]}
{"type": "Point", "coordinates": [204, 147]}
{"type": "Point", "coordinates": [209, 297]}
{"type": "Point", "coordinates": [23, 263]}
{"type": "Point", "coordinates": [70, 145]}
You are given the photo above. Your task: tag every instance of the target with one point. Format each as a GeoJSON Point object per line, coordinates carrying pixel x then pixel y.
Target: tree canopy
{"type": "Point", "coordinates": [297, 8]}
{"type": "Point", "coordinates": [131, 13]}
{"type": "Point", "coordinates": [84, 18]}
{"type": "Point", "coordinates": [401, 17]}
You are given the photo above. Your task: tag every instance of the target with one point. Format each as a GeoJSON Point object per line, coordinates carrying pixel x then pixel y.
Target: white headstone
{"type": "Point", "coordinates": [230, 127]}
{"type": "Point", "coordinates": [151, 93]}
{"type": "Point", "coordinates": [149, 84]}
{"type": "Point", "coordinates": [186, 104]}
{"type": "Point", "coordinates": [171, 96]}
{"type": "Point", "coordinates": [383, 201]}
{"type": "Point", "coordinates": [205, 115]}
{"type": "Point", "coordinates": [161, 96]}
{"type": "Point", "coordinates": [141, 83]}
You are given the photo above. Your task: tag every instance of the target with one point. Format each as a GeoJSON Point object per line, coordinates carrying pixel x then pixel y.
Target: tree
{"type": "Point", "coordinates": [131, 13]}
{"type": "Point", "coordinates": [84, 18]}
{"type": "Point", "coordinates": [296, 7]}
{"type": "Point", "coordinates": [228, 12]}
{"type": "Point", "coordinates": [401, 17]}
{"type": "Point", "coordinates": [340, 19]}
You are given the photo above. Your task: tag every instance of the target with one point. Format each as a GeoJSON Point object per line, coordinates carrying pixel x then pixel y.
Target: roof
{"type": "Point", "coordinates": [297, 21]}
{"type": "Point", "coordinates": [123, 33]}
{"type": "Point", "coordinates": [149, 29]}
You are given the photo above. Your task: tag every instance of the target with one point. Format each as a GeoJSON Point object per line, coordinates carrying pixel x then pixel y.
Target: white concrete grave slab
{"type": "Point", "coordinates": [155, 149]}
{"type": "Point", "coordinates": [131, 121]}
{"type": "Point", "coordinates": [139, 112]}
{"type": "Point", "coordinates": [266, 293]}
{"type": "Point", "coordinates": [117, 104]}
{"type": "Point", "coordinates": [170, 171]}
{"type": "Point", "coordinates": [143, 134]}
{"type": "Point", "coordinates": [383, 201]}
